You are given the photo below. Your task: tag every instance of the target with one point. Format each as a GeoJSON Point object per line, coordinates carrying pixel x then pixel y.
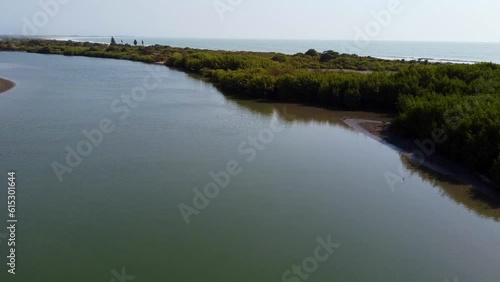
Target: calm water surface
{"type": "Point", "coordinates": [120, 207]}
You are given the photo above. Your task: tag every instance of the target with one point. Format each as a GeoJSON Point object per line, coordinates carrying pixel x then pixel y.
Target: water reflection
{"type": "Point", "coordinates": [479, 199]}
{"type": "Point", "coordinates": [475, 197]}
{"type": "Point", "coordinates": [296, 113]}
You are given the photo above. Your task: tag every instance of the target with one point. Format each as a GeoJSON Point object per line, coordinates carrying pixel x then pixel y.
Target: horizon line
{"type": "Point", "coordinates": [249, 38]}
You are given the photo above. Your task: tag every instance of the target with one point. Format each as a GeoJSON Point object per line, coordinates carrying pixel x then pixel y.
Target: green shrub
{"type": "Point", "coordinates": [174, 60]}
{"type": "Point", "coordinates": [312, 53]}
{"type": "Point", "coordinates": [279, 58]}
{"type": "Point", "coordinates": [328, 55]}
{"type": "Point", "coordinates": [45, 50]}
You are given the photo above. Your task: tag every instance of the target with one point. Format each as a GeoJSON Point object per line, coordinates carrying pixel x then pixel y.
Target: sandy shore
{"type": "Point", "coordinates": [380, 131]}
{"type": "Point", "coordinates": [5, 85]}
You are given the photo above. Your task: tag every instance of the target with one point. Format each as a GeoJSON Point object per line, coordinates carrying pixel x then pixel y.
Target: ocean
{"type": "Point", "coordinates": [446, 52]}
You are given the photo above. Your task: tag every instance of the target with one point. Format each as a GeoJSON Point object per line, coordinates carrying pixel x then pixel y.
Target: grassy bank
{"type": "Point", "coordinates": [462, 100]}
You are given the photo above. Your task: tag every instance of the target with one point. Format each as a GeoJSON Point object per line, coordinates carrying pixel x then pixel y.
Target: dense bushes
{"type": "Point", "coordinates": [194, 62]}
{"type": "Point", "coordinates": [312, 53]}
{"type": "Point", "coordinates": [331, 89]}
{"type": "Point", "coordinates": [174, 60]}
{"type": "Point", "coordinates": [246, 83]}
{"type": "Point", "coordinates": [70, 48]}
{"type": "Point", "coordinates": [279, 58]}
{"type": "Point", "coordinates": [328, 56]}
{"type": "Point", "coordinates": [448, 79]}
{"type": "Point", "coordinates": [471, 124]}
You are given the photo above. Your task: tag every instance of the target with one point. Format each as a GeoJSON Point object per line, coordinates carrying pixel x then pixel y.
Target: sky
{"type": "Point", "coordinates": [400, 20]}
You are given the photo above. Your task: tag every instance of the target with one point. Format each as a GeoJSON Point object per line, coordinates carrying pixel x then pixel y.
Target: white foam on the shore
{"type": "Point", "coordinates": [74, 39]}
{"type": "Point", "coordinates": [431, 60]}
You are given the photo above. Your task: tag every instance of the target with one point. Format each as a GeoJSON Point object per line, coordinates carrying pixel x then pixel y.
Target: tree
{"type": "Point", "coordinates": [312, 52]}
{"type": "Point", "coordinates": [142, 42]}
{"type": "Point", "coordinates": [113, 41]}
{"type": "Point", "coordinates": [135, 42]}
{"type": "Point", "coordinates": [328, 55]}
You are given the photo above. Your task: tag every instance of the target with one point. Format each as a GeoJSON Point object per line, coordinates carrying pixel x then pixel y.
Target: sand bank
{"type": "Point", "coordinates": [5, 85]}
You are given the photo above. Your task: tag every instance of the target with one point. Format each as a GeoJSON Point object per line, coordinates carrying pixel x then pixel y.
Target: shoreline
{"type": "Point", "coordinates": [6, 85]}
{"type": "Point", "coordinates": [436, 162]}
{"type": "Point", "coordinates": [382, 57]}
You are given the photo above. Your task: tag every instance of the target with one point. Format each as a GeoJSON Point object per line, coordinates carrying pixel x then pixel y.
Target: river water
{"type": "Point", "coordinates": [304, 189]}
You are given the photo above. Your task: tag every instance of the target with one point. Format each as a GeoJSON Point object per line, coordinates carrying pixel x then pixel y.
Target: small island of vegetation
{"type": "Point", "coordinates": [462, 100]}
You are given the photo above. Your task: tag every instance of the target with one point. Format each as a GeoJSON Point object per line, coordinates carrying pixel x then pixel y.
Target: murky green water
{"type": "Point", "coordinates": [306, 179]}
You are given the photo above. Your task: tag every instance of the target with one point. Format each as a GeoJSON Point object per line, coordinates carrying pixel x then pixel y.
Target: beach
{"type": "Point", "coordinates": [5, 85]}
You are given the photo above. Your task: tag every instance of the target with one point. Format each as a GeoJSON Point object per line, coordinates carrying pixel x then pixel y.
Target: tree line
{"type": "Point", "coordinates": [113, 42]}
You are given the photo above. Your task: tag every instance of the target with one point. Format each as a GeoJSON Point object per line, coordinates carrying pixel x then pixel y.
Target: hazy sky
{"type": "Point", "coordinates": [427, 20]}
